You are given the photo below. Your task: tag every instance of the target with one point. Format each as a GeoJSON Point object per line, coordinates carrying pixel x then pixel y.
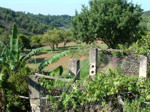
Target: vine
{"type": "Point", "coordinates": [105, 88]}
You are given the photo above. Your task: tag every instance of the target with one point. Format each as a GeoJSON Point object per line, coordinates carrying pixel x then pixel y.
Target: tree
{"type": "Point", "coordinates": [66, 37]}
{"type": "Point", "coordinates": [25, 41]}
{"type": "Point", "coordinates": [4, 37]}
{"type": "Point", "coordinates": [112, 21]}
{"type": "Point", "coordinates": [36, 41]}
{"type": "Point", "coordinates": [51, 38]}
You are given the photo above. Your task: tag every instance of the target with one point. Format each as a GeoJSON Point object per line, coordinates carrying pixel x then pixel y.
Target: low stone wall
{"type": "Point", "coordinates": [127, 64]}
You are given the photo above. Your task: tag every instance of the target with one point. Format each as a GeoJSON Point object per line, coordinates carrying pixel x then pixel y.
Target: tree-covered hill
{"type": "Point", "coordinates": [30, 24]}
{"type": "Point", "coordinates": [146, 20]}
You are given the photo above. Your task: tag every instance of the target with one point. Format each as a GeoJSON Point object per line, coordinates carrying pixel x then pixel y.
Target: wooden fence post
{"type": "Point", "coordinates": [143, 66]}
{"type": "Point", "coordinates": [93, 61]}
{"type": "Point", "coordinates": [35, 94]}
{"type": "Point", "coordinates": [74, 66]}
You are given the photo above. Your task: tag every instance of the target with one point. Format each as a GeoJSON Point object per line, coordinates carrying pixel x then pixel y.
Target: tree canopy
{"type": "Point", "coordinates": [51, 38]}
{"type": "Point", "coordinates": [112, 21]}
{"type": "Point", "coordinates": [25, 41]}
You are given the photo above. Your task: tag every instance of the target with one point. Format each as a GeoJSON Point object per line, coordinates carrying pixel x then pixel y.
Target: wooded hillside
{"type": "Point", "coordinates": [30, 24]}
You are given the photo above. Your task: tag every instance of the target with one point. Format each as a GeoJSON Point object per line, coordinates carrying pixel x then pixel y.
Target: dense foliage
{"type": "Point", "coordinates": [25, 40]}
{"type": "Point", "coordinates": [13, 85]}
{"type": "Point", "coordinates": [142, 45]}
{"type": "Point", "coordinates": [30, 24]}
{"type": "Point", "coordinates": [112, 21]}
{"type": "Point", "coordinates": [36, 41]}
{"type": "Point", "coordinates": [106, 88]}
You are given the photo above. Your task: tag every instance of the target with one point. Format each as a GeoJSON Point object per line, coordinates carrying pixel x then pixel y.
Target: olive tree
{"type": "Point", "coordinates": [66, 37]}
{"type": "Point", "coordinates": [36, 41]}
{"type": "Point", "coordinates": [112, 21]}
{"type": "Point", "coordinates": [51, 38]}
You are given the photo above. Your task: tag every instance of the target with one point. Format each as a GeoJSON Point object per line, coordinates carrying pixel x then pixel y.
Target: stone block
{"type": "Point", "coordinates": [74, 66]}
{"type": "Point", "coordinates": [93, 58]}
{"type": "Point", "coordinates": [143, 66]}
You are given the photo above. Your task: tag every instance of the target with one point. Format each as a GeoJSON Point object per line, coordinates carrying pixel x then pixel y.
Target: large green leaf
{"type": "Point", "coordinates": [2, 44]}
{"type": "Point", "coordinates": [1, 78]}
{"type": "Point", "coordinates": [13, 54]}
{"type": "Point", "coordinates": [32, 53]}
{"type": "Point", "coordinates": [52, 59]}
{"type": "Point", "coordinates": [4, 54]}
{"type": "Point", "coordinates": [14, 40]}
{"type": "Point", "coordinates": [59, 70]}
{"type": "Point", "coordinates": [2, 50]}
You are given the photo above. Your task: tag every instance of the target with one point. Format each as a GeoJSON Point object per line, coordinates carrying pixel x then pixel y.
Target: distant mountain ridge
{"type": "Point", "coordinates": [31, 24]}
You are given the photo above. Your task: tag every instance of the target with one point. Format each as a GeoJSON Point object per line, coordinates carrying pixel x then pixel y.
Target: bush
{"type": "Point", "coordinates": [15, 85]}
{"type": "Point", "coordinates": [106, 88]}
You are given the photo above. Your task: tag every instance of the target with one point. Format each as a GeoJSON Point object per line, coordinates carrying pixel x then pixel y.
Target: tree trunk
{"type": "Point", "coordinates": [2, 101]}
{"type": "Point", "coordinates": [52, 47]}
{"type": "Point", "coordinates": [65, 44]}
{"type": "Point", "coordinates": [56, 45]}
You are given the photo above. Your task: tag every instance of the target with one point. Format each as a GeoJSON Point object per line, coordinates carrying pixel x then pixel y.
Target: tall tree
{"type": "Point", "coordinates": [112, 21]}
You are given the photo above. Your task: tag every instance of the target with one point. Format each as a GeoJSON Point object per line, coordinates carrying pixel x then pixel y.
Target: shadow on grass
{"type": "Point", "coordinates": [27, 52]}
{"type": "Point", "coordinates": [67, 48]}
{"type": "Point", "coordinates": [36, 61]}
{"type": "Point", "coordinates": [61, 49]}
{"type": "Point", "coordinates": [41, 53]}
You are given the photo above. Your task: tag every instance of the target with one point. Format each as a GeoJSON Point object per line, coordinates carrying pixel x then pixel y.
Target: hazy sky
{"type": "Point", "coordinates": [55, 7]}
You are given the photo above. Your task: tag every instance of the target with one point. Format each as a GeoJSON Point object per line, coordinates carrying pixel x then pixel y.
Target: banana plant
{"type": "Point", "coordinates": [11, 54]}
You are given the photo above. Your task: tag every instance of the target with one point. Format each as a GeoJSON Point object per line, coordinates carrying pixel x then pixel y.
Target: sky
{"type": "Point", "coordinates": [55, 7]}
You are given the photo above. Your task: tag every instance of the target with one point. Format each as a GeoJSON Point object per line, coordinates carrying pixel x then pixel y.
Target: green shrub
{"type": "Point", "coordinates": [105, 88]}
{"type": "Point", "coordinates": [16, 85]}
